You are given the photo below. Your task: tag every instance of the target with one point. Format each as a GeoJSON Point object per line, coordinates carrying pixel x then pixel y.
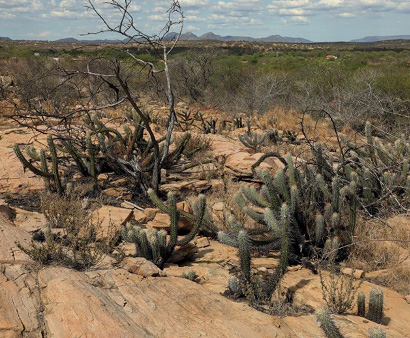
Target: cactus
{"type": "Point", "coordinates": [152, 244]}
{"type": "Point", "coordinates": [377, 332]}
{"type": "Point", "coordinates": [317, 215]}
{"type": "Point", "coordinates": [273, 280]}
{"type": "Point", "coordinates": [44, 171]}
{"type": "Point", "coordinates": [237, 123]}
{"type": "Point", "coordinates": [327, 325]}
{"type": "Point", "coordinates": [234, 287]}
{"type": "Point", "coordinates": [253, 140]}
{"type": "Point", "coordinates": [361, 304]}
{"type": "Point", "coordinates": [54, 160]}
{"type": "Point", "coordinates": [375, 311]}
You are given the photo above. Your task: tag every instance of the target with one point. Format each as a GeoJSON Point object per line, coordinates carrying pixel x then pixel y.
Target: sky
{"type": "Point", "coordinates": [316, 20]}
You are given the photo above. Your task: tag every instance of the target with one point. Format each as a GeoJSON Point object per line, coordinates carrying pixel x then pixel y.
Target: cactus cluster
{"type": "Point", "coordinates": [380, 170]}
{"type": "Point", "coordinates": [97, 146]}
{"type": "Point", "coordinates": [237, 123]}
{"type": "Point", "coordinates": [208, 126]}
{"type": "Point", "coordinates": [375, 308]}
{"type": "Point", "coordinates": [252, 140]}
{"type": "Point", "coordinates": [153, 244]}
{"type": "Point", "coordinates": [316, 205]}
{"type": "Point", "coordinates": [239, 238]}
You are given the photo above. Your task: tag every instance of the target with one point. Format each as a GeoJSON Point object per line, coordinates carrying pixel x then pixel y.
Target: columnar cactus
{"type": "Point", "coordinates": [361, 304]}
{"type": "Point", "coordinates": [327, 325]}
{"type": "Point", "coordinates": [375, 312]}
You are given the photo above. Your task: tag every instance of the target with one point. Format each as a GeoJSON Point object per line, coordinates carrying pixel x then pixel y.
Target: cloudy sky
{"type": "Point", "coordinates": [316, 20]}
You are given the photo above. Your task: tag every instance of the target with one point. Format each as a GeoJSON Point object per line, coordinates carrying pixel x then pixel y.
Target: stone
{"type": "Point", "coordinates": [194, 185]}
{"type": "Point", "coordinates": [103, 177]}
{"type": "Point", "coordinates": [140, 266]}
{"type": "Point", "coordinates": [112, 218]}
{"type": "Point", "coordinates": [163, 222]}
{"type": "Point", "coordinates": [407, 298]}
{"type": "Point", "coordinates": [118, 193]}
{"type": "Point", "coordinates": [356, 273]}
{"type": "Point", "coordinates": [183, 253]}
{"type": "Point", "coordinates": [202, 242]}
{"type": "Point", "coordinates": [150, 213]}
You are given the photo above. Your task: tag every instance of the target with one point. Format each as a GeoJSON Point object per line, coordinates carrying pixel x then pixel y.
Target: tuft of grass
{"type": "Point", "coordinates": [71, 237]}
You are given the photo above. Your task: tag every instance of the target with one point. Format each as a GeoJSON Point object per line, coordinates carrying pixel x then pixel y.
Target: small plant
{"type": "Point", "coordinates": [377, 332]}
{"type": "Point", "coordinates": [253, 141]}
{"type": "Point", "coordinates": [338, 291]}
{"type": "Point", "coordinates": [78, 242]}
{"type": "Point", "coordinates": [327, 325]}
{"type": "Point", "coordinates": [234, 288]}
{"type": "Point", "coordinates": [190, 275]}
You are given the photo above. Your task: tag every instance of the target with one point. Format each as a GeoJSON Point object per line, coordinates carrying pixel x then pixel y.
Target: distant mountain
{"type": "Point", "coordinates": [382, 38]}
{"type": "Point", "coordinates": [4, 38]}
{"type": "Point", "coordinates": [278, 38]}
{"type": "Point", "coordinates": [73, 40]}
{"type": "Point", "coordinates": [211, 36]}
{"type": "Point", "coordinates": [67, 40]}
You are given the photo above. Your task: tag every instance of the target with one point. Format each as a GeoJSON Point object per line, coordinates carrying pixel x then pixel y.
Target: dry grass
{"type": "Point", "coordinates": [382, 246]}
{"type": "Point", "coordinates": [71, 237]}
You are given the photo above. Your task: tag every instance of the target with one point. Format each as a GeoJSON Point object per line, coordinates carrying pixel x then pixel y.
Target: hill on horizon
{"type": "Point", "coordinates": [382, 38]}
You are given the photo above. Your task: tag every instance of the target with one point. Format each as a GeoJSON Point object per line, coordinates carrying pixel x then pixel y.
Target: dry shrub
{"type": "Point", "coordinates": [338, 291]}
{"type": "Point", "coordinates": [63, 212]}
{"type": "Point", "coordinates": [379, 247]}
{"type": "Point", "coordinates": [71, 236]}
{"type": "Point", "coordinates": [197, 148]}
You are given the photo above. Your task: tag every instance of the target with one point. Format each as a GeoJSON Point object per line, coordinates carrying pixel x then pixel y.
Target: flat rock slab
{"type": "Point", "coordinates": [119, 304]}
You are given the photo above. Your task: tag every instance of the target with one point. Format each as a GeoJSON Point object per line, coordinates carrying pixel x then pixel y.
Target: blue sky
{"type": "Point", "coordinates": [316, 20]}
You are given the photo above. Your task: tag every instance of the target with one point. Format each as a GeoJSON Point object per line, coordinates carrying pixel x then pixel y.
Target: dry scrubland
{"type": "Point", "coordinates": [282, 203]}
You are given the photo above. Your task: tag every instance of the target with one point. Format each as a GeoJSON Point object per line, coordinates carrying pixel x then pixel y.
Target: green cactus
{"type": "Point", "coordinates": [253, 140]}
{"type": "Point", "coordinates": [361, 304]}
{"type": "Point", "coordinates": [377, 332]}
{"type": "Point", "coordinates": [44, 171]}
{"type": "Point", "coordinates": [375, 311]}
{"type": "Point", "coordinates": [91, 157]}
{"type": "Point", "coordinates": [327, 325]}
{"type": "Point", "coordinates": [273, 280]}
{"type": "Point", "coordinates": [152, 244]}
{"type": "Point", "coordinates": [54, 160]}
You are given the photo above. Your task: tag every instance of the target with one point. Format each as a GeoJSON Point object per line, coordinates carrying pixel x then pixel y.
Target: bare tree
{"type": "Point", "coordinates": [101, 83]}
{"type": "Point", "coordinates": [161, 48]}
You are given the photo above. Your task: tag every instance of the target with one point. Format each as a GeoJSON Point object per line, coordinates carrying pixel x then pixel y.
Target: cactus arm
{"type": "Point", "coordinates": [27, 164]}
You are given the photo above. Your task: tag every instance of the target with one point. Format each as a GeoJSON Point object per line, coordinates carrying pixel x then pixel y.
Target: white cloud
{"type": "Point", "coordinates": [20, 6]}
{"type": "Point", "coordinates": [298, 19]}
{"type": "Point", "coordinates": [191, 28]}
